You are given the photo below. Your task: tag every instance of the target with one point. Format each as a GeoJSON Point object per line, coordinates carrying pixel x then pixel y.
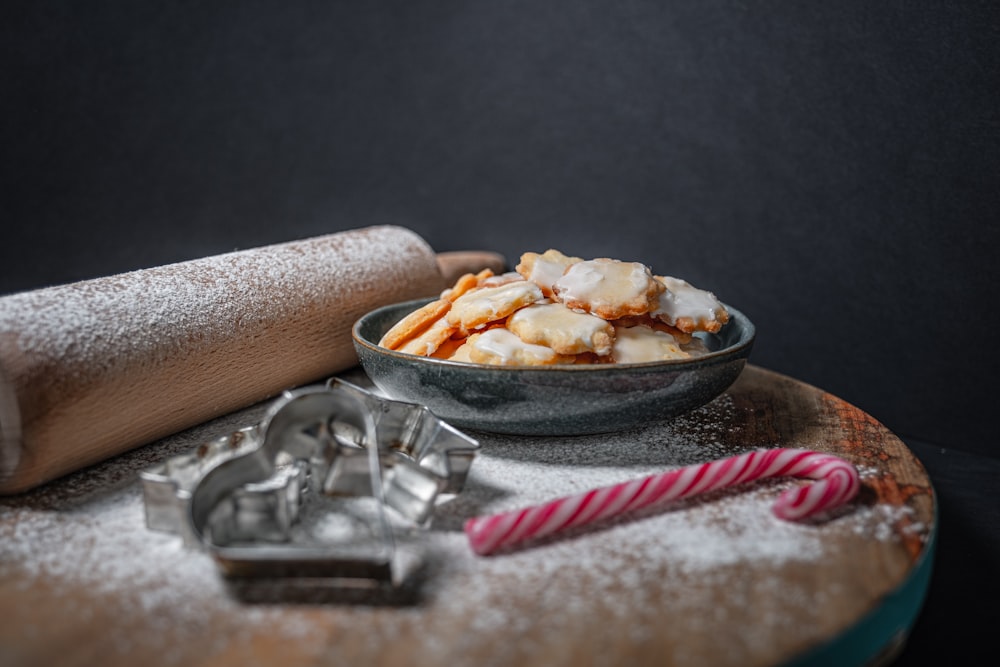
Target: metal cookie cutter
{"type": "Point", "coordinates": [304, 493]}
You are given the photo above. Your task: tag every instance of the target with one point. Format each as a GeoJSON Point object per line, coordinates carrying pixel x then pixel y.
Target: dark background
{"type": "Point", "coordinates": [830, 169]}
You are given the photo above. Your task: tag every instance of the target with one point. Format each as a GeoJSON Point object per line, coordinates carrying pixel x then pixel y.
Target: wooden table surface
{"type": "Point", "coordinates": [713, 580]}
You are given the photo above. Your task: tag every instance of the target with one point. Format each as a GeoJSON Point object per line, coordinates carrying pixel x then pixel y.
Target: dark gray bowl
{"type": "Point", "coordinates": [552, 400]}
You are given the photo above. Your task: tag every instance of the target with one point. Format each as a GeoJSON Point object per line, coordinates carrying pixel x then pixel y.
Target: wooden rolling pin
{"type": "Point", "coordinates": [92, 369]}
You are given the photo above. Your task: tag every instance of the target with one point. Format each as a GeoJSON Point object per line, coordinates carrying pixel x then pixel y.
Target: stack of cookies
{"type": "Point", "coordinates": [556, 309]}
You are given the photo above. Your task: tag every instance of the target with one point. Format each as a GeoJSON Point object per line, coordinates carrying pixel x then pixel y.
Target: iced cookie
{"type": "Point", "coordinates": [564, 330]}
{"type": "Point", "coordinates": [500, 347]}
{"type": "Point", "coordinates": [640, 344]}
{"type": "Point", "coordinates": [688, 308]}
{"type": "Point", "coordinates": [608, 288]}
{"type": "Point", "coordinates": [545, 269]}
{"type": "Point", "coordinates": [481, 306]}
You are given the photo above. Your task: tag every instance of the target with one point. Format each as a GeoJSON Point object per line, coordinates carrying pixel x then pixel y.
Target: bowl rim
{"type": "Point", "coordinates": [738, 348]}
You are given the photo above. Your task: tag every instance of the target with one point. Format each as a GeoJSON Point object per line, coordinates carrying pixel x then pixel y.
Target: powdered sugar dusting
{"type": "Point", "coordinates": [87, 533]}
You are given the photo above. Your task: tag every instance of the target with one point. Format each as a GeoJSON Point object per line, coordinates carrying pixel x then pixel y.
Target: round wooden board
{"type": "Point", "coordinates": [714, 580]}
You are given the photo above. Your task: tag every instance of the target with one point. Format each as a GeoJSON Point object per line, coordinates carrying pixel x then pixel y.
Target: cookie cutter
{"type": "Point", "coordinates": [251, 499]}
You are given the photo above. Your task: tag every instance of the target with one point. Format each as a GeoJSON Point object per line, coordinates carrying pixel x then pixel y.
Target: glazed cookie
{"type": "Point", "coordinates": [608, 288]}
{"type": "Point", "coordinates": [640, 344]}
{"type": "Point", "coordinates": [545, 269]}
{"type": "Point", "coordinates": [564, 330]}
{"type": "Point", "coordinates": [483, 305]}
{"type": "Point", "coordinates": [688, 308]}
{"type": "Point", "coordinates": [500, 347]}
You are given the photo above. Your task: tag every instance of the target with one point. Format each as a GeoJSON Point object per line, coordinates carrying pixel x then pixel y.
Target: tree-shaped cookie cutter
{"type": "Point", "coordinates": [241, 497]}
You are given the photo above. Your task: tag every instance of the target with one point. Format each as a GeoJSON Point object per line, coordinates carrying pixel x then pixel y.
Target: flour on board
{"type": "Point", "coordinates": [88, 530]}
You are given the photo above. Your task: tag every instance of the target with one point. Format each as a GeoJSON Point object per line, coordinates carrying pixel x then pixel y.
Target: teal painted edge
{"type": "Point", "coordinates": [885, 628]}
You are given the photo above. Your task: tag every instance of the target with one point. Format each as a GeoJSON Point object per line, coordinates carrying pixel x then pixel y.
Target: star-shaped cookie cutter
{"type": "Point", "coordinates": [242, 497]}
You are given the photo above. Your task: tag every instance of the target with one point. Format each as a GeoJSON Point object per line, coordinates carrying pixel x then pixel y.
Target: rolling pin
{"type": "Point", "coordinates": [91, 369]}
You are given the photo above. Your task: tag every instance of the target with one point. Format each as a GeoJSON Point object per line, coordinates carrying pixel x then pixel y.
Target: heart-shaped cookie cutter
{"type": "Point", "coordinates": [241, 497]}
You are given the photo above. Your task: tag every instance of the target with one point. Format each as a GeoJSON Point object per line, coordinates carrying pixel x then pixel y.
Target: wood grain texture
{"type": "Point", "coordinates": [594, 598]}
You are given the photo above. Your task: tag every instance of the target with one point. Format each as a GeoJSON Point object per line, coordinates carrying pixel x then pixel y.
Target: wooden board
{"type": "Point", "coordinates": [713, 580]}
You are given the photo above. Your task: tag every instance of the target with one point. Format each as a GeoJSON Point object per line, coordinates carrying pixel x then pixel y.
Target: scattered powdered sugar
{"type": "Point", "coordinates": [87, 532]}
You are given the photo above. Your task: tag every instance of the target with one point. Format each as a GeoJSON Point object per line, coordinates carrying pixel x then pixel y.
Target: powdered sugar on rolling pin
{"type": "Point", "coordinates": [88, 532]}
{"type": "Point", "coordinates": [205, 299]}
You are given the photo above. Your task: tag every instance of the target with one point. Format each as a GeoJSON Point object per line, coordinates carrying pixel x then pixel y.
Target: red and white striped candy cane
{"type": "Point", "coordinates": [837, 483]}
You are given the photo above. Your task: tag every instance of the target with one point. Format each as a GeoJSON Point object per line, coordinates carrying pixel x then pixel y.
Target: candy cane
{"type": "Point", "coordinates": [838, 483]}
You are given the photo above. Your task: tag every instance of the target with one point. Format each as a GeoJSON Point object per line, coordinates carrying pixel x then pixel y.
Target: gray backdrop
{"type": "Point", "coordinates": [828, 168]}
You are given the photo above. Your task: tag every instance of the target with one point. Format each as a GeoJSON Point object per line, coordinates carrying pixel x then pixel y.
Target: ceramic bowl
{"type": "Point", "coordinates": [552, 400]}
